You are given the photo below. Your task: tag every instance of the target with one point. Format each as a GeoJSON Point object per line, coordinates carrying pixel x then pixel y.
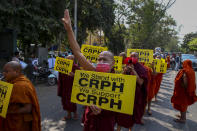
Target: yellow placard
{"type": "Point", "coordinates": [157, 64]}
{"type": "Point", "coordinates": [5, 94]}
{"type": "Point", "coordinates": [160, 66]}
{"type": "Point", "coordinates": [63, 65]}
{"type": "Point", "coordinates": [149, 65]}
{"type": "Point", "coordinates": [163, 60]}
{"type": "Point", "coordinates": [145, 55]}
{"type": "Point", "coordinates": [163, 68]}
{"type": "Point", "coordinates": [114, 92]}
{"type": "Point", "coordinates": [92, 52]}
{"type": "Point", "coordinates": [118, 63]}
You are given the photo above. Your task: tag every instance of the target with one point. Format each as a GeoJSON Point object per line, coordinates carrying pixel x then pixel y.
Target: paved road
{"type": "Point", "coordinates": [161, 120]}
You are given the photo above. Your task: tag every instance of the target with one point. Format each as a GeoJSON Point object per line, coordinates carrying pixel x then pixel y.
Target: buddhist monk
{"type": "Point", "coordinates": [158, 79]}
{"type": "Point", "coordinates": [184, 91]}
{"type": "Point", "coordinates": [123, 55]}
{"type": "Point", "coordinates": [135, 68]}
{"type": "Point", "coordinates": [150, 87]}
{"type": "Point", "coordinates": [168, 61]}
{"type": "Point", "coordinates": [65, 84]}
{"type": "Point", "coordinates": [96, 119]}
{"type": "Point", "coordinates": [23, 112]}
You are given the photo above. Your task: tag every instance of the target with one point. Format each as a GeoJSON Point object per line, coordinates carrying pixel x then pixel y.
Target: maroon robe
{"type": "Point", "coordinates": [105, 121]}
{"type": "Point", "coordinates": [65, 83]}
{"type": "Point", "coordinates": [140, 101]}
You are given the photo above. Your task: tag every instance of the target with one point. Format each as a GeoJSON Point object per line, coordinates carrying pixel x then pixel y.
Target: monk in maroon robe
{"type": "Point", "coordinates": [65, 84]}
{"type": "Point", "coordinates": [140, 102]}
{"type": "Point", "coordinates": [96, 119]}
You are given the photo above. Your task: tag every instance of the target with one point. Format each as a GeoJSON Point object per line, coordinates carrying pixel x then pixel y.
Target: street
{"type": "Point", "coordinates": [161, 119]}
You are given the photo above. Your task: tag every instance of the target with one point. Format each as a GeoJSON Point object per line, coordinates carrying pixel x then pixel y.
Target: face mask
{"type": "Point", "coordinates": [103, 67]}
{"type": "Point", "coordinates": [134, 60]}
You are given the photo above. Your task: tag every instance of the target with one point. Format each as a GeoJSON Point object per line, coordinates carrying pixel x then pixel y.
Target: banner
{"type": "Point", "coordinates": [114, 92]}
{"type": "Point", "coordinates": [118, 63]}
{"type": "Point", "coordinates": [63, 65]}
{"type": "Point", "coordinates": [5, 94]}
{"type": "Point", "coordinates": [163, 68]}
{"type": "Point", "coordinates": [92, 52]}
{"type": "Point", "coordinates": [145, 55]}
{"type": "Point", "coordinates": [159, 66]}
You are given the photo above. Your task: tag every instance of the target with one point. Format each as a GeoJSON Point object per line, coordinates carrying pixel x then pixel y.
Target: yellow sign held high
{"type": "Point", "coordinates": [5, 94]}
{"type": "Point", "coordinates": [63, 65]}
{"type": "Point", "coordinates": [145, 55]}
{"type": "Point", "coordinates": [114, 92]}
{"type": "Point", "coordinates": [92, 52]}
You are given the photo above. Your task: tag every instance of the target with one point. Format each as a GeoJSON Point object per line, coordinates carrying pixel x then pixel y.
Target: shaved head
{"type": "Point", "coordinates": [12, 70]}
{"type": "Point", "coordinates": [16, 66]}
{"type": "Point", "coordinates": [107, 54]}
{"type": "Point", "coordinates": [134, 54]}
{"type": "Point", "coordinates": [106, 57]}
{"type": "Point", "coordinates": [123, 54]}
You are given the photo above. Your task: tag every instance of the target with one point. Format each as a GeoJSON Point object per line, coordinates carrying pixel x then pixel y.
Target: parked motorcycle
{"type": "Point", "coordinates": [40, 74]}
{"type": "Point", "coordinates": [45, 74]}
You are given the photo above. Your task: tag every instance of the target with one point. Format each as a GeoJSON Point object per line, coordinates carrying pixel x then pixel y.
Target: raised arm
{"type": "Point", "coordinates": [74, 45]}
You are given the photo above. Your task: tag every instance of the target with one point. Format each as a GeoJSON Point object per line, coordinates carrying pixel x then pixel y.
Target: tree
{"type": "Point", "coordinates": [35, 21]}
{"type": "Point", "coordinates": [39, 21]}
{"type": "Point", "coordinates": [186, 40]}
{"type": "Point", "coordinates": [193, 44]}
{"type": "Point", "coordinates": [93, 15]}
{"type": "Point", "coordinates": [148, 22]}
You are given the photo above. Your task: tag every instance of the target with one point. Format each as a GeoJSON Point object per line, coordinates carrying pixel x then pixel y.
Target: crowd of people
{"type": "Point", "coordinates": [24, 113]}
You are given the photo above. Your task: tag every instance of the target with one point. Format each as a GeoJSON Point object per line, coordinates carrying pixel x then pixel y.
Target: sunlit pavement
{"type": "Point", "coordinates": [161, 119]}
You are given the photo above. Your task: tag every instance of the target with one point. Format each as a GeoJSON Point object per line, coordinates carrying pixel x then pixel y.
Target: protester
{"type": "Point", "coordinates": [96, 119]}
{"type": "Point", "coordinates": [177, 60]}
{"type": "Point", "coordinates": [123, 55]}
{"type": "Point", "coordinates": [65, 84]}
{"type": "Point", "coordinates": [168, 61]}
{"type": "Point", "coordinates": [150, 87]}
{"type": "Point", "coordinates": [158, 79]}
{"type": "Point", "coordinates": [135, 68]}
{"type": "Point", "coordinates": [23, 112]}
{"type": "Point", "coordinates": [16, 57]}
{"type": "Point", "coordinates": [184, 91]}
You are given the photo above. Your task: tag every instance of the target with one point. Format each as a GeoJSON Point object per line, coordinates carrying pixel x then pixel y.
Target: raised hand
{"type": "Point", "coordinates": [66, 20]}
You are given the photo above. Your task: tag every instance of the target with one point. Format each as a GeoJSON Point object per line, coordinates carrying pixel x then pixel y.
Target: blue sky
{"type": "Point", "coordinates": [185, 14]}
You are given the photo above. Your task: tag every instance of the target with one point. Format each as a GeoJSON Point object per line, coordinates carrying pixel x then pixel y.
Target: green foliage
{"type": "Point", "coordinates": [92, 15]}
{"type": "Point", "coordinates": [149, 25]}
{"type": "Point", "coordinates": [172, 45]}
{"type": "Point", "coordinates": [36, 21]}
{"type": "Point", "coordinates": [186, 40]}
{"type": "Point", "coordinates": [117, 39]}
{"type": "Point", "coordinates": [39, 21]}
{"type": "Point", "coordinates": [193, 44]}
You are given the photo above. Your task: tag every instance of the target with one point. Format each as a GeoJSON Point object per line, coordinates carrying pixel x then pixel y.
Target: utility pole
{"type": "Point", "coordinates": [75, 17]}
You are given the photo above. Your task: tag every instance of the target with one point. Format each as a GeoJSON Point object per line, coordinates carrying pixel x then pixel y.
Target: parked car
{"type": "Point", "coordinates": [190, 57]}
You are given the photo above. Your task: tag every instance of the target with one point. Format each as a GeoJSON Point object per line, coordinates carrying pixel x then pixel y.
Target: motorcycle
{"type": "Point", "coordinates": [40, 74]}
{"type": "Point", "coordinates": [45, 74]}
